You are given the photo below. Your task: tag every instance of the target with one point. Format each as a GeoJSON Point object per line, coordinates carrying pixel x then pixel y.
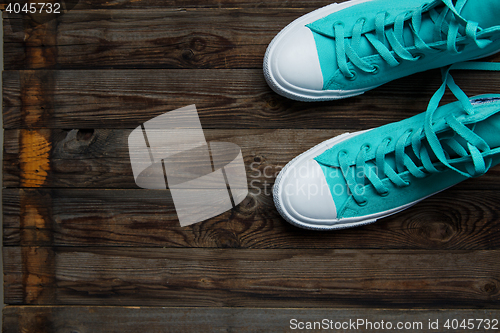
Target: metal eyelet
{"type": "Point", "coordinates": [343, 152]}
{"type": "Point", "coordinates": [353, 76]}
{"type": "Point", "coordinates": [363, 203]}
{"type": "Point", "coordinates": [384, 194]}
{"type": "Point", "coordinates": [376, 70]}
{"type": "Point", "coordinates": [366, 147]}
{"type": "Point", "coordinates": [419, 56]}
{"type": "Point", "coordinates": [461, 48]}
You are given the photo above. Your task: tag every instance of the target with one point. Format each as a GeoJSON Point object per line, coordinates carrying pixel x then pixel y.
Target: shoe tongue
{"type": "Point", "coordinates": [427, 28]}
{"type": "Point", "coordinates": [489, 129]}
{"type": "Point", "coordinates": [484, 12]}
{"type": "Point", "coordinates": [426, 33]}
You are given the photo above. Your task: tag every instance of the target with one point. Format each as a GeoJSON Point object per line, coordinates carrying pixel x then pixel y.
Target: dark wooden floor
{"type": "Point", "coordinates": [78, 232]}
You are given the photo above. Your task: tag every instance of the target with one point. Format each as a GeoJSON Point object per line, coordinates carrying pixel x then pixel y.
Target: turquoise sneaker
{"type": "Point", "coordinates": [358, 178]}
{"type": "Point", "coordinates": [345, 49]}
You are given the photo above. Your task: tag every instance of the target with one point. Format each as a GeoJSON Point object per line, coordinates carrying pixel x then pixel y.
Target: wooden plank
{"type": "Point", "coordinates": [230, 99]}
{"type": "Point", "coordinates": [187, 38]}
{"type": "Point", "coordinates": [159, 38]}
{"type": "Point", "coordinates": [253, 278]}
{"type": "Point", "coordinates": [173, 4]}
{"type": "Point", "coordinates": [141, 4]}
{"type": "Point", "coordinates": [100, 158]}
{"type": "Point", "coordinates": [88, 158]}
{"type": "Point", "coordinates": [32, 281]}
{"type": "Point", "coordinates": [465, 220]}
{"type": "Point", "coordinates": [37, 44]}
{"type": "Point", "coordinates": [45, 319]}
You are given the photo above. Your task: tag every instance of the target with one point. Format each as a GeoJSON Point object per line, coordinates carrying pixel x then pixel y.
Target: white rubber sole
{"type": "Point", "coordinates": [281, 86]}
{"type": "Point", "coordinates": [331, 224]}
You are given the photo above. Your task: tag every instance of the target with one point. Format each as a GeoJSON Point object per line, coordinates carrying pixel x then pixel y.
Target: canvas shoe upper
{"type": "Point", "coordinates": [357, 178]}
{"type": "Point", "coordinates": [345, 49]}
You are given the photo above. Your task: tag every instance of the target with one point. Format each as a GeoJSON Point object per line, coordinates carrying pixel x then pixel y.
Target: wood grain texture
{"type": "Point", "coordinates": [88, 158]}
{"type": "Point", "coordinates": [141, 4]}
{"type": "Point", "coordinates": [253, 278]}
{"type": "Point", "coordinates": [78, 231]}
{"type": "Point", "coordinates": [176, 4]}
{"type": "Point", "coordinates": [224, 98]}
{"type": "Point", "coordinates": [160, 38]}
{"type": "Point", "coordinates": [97, 319]}
{"type": "Point", "coordinates": [466, 220]}
{"type": "Point", "coordinates": [100, 158]}
{"type": "Point", "coordinates": [103, 39]}
{"type": "Point", "coordinates": [230, 99]}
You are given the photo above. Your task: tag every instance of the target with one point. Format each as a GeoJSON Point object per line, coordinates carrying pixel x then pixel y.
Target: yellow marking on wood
{"type": "Point", "coordinates": [32, 218]}
{"type": "Point", "coordinates": [32, 98]}
{"type": "Point", "coordinates": [38, 274]}
{"type": "Point", "coordinates": [34, 157]}
{"type": "Point", "coordinates": [36, 57]}
{"type": "Point", "coordinates": [34, 287]}
{"type": "Point", "coordinates": [34, 228]}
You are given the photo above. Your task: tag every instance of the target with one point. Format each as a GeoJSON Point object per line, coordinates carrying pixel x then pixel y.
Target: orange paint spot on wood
{"type": "Point", "coordinates": [32, 218]}
{"type": "Point", "coordinates": [34, 284]}
{"type": "Point", "coordinates": [35, 229]}
{"type": "Point", "coordinates": [42, 41]}
{"type": "Point", "coordinates": [37, 87]}
{"type": "Point", "coordinates": [37, 91]}
{"type": "Point", "coordinates": [32, 97]}
{"type": "Point", "coordinates": [34, 157]}
{"type": "Point", "coordinates": [38, 275]}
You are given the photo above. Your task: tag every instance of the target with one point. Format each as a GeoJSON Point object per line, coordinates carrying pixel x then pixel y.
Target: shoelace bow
{"type": "Point", "coordinates": [447, 24]}
{"type": "Point", "coordinates": [423, 143]}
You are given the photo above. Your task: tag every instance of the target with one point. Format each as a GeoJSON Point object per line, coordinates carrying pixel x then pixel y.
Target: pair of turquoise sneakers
{"type": "Point", "coordinates": [343, 50]}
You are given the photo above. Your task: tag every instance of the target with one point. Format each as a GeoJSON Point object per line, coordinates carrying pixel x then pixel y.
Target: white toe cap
{"type": "Point", "coordinates": [296, 60]}
{"type": "Point", "coordinates": [305, 194]}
